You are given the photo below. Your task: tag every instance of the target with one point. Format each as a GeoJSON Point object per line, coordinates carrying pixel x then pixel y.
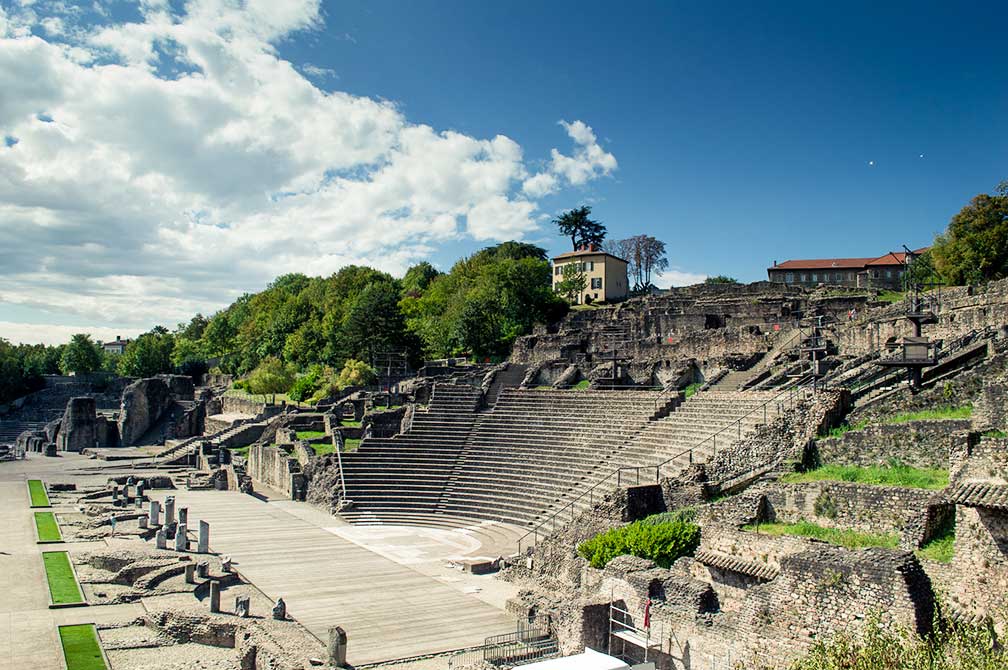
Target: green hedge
{"type": "Point", "coordinates": [660, 540]}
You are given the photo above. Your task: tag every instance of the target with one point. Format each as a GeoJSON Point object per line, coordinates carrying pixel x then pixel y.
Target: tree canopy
{"type": "Point", "coordinates": [645, 255]}
{"type": "Point", "coordinates": [974, 248]}
{"type": "Point", "coordinates": [81, 355]}
{"type": "Point", "coordinates": [580, 228]}
{"type": "Point", "coordinates": [721, 279]}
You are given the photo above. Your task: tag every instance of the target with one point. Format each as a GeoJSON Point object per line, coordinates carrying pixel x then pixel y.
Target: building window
{"type": "Point", "coordinates": [596, 296]}
{"type": "Point", "coordinates": [789, 277]}
{"type": "Point", "coordinates": [815, 277]}
{"type": "Point", "coordinates": [804, 277]}
{"type": "Point", "coordinates": [558, 269]}
{"type": "Point", "coordinates": [850, 277]}
{"type": "Point", "coordinates": [596, 282]}
{"type": "Point", "coordinates": [888, 274]}
{"type": "Point", "coordinates": [591, 266]}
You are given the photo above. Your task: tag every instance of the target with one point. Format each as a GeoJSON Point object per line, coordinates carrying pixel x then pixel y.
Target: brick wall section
{"type": "Point", "coordinates": [921, 444]}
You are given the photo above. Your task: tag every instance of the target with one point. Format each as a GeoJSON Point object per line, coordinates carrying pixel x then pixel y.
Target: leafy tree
{"type": "Point", "coordinates": [418, 278]}
{"type": "Point", "coordinates": [574, 281]}
{"type": "Point", "coordinates": [644, 255]}
{"type": "Point", "coordinates": [355, 373]}
{"type": "Point", "coordinates": [81, 356]}
{"type": "Point", "coordinates": [374, 323]}
{"type": "Point", "coordinates": [721, 279]}
{"type": "Point", "coordinates": [580, 228]}
{"type": "Point", "coordinates": [974, 248]}
{"type": "Point", "coordinates": [148, 355]}
{"type": "Point", "coordinates": [272, 376]}
{"type": "Point", "coordinates": [479, 326]}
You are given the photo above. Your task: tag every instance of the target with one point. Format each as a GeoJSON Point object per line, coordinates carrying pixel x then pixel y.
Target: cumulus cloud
{"type": "Point", "coordinates": [168, 164]}
{"type": "Point", "coordinates": [588, 162]}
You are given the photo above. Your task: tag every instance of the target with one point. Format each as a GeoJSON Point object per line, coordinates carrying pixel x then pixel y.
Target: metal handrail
{"type": "Point", "coordinates": [618, 472]}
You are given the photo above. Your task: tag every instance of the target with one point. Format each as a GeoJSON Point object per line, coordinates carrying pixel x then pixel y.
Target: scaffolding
{"type": "Point", "coordinates": [915, 352]}
{"type": "Point", "coordinates": [622, 628]}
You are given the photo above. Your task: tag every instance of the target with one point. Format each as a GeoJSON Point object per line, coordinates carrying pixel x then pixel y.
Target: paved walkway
{"type": "Point", "coordinates": [388, 609]}
{"type": "Point", "coordinates": [28, 633]}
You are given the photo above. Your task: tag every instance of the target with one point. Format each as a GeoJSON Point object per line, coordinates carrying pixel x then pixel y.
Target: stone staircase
{"type": "Point", "coordinates": [9, 430]}
{"type": "Point", "coordinates": [512, 377]}
{"type": "Point", "coordinates": [389, 478]}
{"type": "Point", "coordinates": [513, 464]}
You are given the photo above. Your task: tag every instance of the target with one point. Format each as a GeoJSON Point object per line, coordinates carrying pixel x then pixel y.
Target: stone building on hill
{"type": "Point", "coordinates": [606, 274]}
{"type": "Point", "coordinates": [883, 272]}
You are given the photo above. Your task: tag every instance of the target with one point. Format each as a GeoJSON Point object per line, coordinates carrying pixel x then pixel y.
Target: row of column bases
{"type": "Point", "coordinates": [178, 531]}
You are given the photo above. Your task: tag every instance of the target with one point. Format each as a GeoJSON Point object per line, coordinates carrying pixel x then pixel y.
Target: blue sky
{"type": "Point", "coordinates": [170, 156]}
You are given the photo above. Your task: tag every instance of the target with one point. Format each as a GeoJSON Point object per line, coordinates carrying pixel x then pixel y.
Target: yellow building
{"type": "Point", "coordinates": [606, 274]}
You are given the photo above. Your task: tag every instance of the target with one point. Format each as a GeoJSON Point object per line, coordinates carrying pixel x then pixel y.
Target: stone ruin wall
{"type": "Point", "coordinates": [707, 324]}
{"type": "Point", "coordinates": [275, 468]}
{"type": "Point", "coordinates": [963, 309]}
{"type": "Point", "coordinates": [921, 444]}
{"type": "Point", "coordinates": [915, 515]}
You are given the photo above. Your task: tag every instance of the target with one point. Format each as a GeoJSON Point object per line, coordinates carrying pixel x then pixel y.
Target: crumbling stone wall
{"type": "Point", "coordinates": [78, 430]}
{"type": "Point", "coordinates": [275, 468]}
{"type": "Point", "coordinates": [990, 409]}
{"type": "Point", "coordinates": [921, 444]}
{"type": "Point", "coordinates": [916, 515]}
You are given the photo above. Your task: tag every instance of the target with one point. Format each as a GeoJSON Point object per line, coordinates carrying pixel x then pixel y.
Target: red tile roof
{"type": "Point", "coordinates": [823, 264]}
{"type": "Point", "coordinates": [891, 258]}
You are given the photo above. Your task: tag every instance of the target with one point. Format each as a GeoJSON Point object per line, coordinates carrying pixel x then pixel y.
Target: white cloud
{"type": "Point", "coordinates": [679, 278]}
{"type": "Point", "coordinates": [167, 165]}
{"type": "Point", "coordinates": [33, 333]}
{"type": "Point", "coordinates": [319, 72]}
{"type": "Point", "coordinates": [589, 161]}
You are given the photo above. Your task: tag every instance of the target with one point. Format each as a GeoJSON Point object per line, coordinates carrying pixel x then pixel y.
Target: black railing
{"type": "Point", "coordinates": [571, 507]}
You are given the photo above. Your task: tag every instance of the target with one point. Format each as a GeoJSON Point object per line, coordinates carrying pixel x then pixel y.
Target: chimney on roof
{"type": "Point", "coordinates": [775, 263]}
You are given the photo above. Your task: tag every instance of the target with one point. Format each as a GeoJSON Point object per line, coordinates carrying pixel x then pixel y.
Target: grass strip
{"type": "Point", "coordinates": [851, 539]}
{"type": "Point", "coordinates": [963, 412]}
{"type": "Point", "coordinates": [310, 434]}
{"type": "Point", "coordinates": [904, 476]}
{"type": "Point", "coordinates": [48, 529]}
{"type": "Point", "coordinates": [81, 647]}
{"type": "Point", "coordinates": [351, 444]}
{"type": "Point", "coordinates": [37, 491]}
{"type": "Point", "coordinates": [63, 586]}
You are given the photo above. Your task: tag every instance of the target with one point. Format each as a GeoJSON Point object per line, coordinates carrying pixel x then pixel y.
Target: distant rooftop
{"type": "Point", "coordinates": [891, 258]}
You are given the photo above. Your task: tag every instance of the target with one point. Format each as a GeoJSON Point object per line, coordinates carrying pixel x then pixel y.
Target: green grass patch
{"type": "Point", "coordinates": [963, 412]}
{"type": "Point", "coordinates": [351, 444]}
{"type": "Point", "coordinates": [63, 586]}
{"type": "Point", "coordinates": [891, 296]}
{"type": "Point", "coordinates": [310, 434]}
{"type": "Point", "coordinates": [323, 449]}
{"type": "Point", "coordinates": [240, 451]}
{"type": "Point", "coordinates": [48, 529]}
{"type": "Point", "coordinates": [692, 389]}
{"type": "Point", "coordinates": [1000, 434]}
{"type": "Point", "coordinates": [843, 428]}
{"type": "Point", "coordinates": [350, 423]}
{"type": "Point", "coordinates": [81, 647]}
{"type": "Point", "coordinates": [892, 475]}
{"type": "Point", "coordinates": [581, 385]}
{"type": "Point", "coordinates": [851, 539]}
{"type": "Point", "coordinates": [37, 491]}
{"type": "Point", "coordinates": [662, 540]}
{"type": "Point", "coordinates": [940, 549]}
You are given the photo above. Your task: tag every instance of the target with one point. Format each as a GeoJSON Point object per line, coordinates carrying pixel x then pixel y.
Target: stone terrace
{"type": "Point", "coordinates": [534, 452]}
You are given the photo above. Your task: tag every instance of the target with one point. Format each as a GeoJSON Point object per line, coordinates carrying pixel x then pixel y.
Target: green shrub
{"type": "Point", "coordinates": [691, 389]}
{"type": "Point", "coordinates": [660, 541]}
{"type": "Point", "coordinates": [307, 384]}
{"type": "Point", "coordinates": [876, 647]}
